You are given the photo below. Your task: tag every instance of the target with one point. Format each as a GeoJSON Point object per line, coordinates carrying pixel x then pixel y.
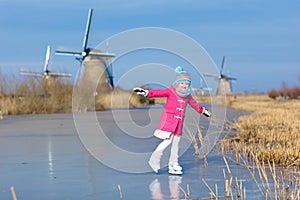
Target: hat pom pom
{"type": "Point", "coordinates": [178, 69]}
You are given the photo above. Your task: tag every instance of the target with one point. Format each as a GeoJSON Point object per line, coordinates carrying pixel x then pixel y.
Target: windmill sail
{"type": "Point", "coordinates": [87, 31]}
{"type": "Point", "coordinates": [80, 56]}
{"type": "Point", "coordinates": [47, 59]}
{"type": "Point", "coordinates": [46, 72]}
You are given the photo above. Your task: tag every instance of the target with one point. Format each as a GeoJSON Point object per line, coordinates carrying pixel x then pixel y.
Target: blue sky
{"type": "Point", "coordinates": [260, 39]}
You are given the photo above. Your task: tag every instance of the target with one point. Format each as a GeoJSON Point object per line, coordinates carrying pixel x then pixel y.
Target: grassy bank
{"type": "Point", "coordinates": [41, 96]}
{"type": "Point", "coordinates": [271, 132]}
{"type": "Point", "coordinates": [267, 143]}
{"type": "Point", "coordinates": [35, 97]}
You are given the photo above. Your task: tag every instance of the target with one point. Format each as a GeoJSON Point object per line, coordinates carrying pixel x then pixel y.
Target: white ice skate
{"type": "Point", "coordinates": [175, 172]}
{"type": "Point", "coordinates": [175, 166]}
{"type": "Point", "coordinates": [175, 169]}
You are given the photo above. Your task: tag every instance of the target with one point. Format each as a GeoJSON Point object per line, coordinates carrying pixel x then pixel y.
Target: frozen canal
{"type": "Point", "coordinates": [43, 157]}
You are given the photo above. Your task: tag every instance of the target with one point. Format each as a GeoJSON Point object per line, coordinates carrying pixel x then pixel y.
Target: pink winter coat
{"type": "Point", "coordinates": [173, 115]}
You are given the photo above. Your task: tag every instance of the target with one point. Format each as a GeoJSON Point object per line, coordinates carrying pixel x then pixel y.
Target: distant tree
{"type": "Point", "coordinates": [286, 92]}
{"type": "Point", "coordinates": [273, 94]}
{"type": "Point", "coordinates": [294, 92]}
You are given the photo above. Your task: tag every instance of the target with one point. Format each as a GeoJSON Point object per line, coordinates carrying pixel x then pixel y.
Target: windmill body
{"type": "Point", "coordinates": [224, 81]}
{"type": "Point", "coordinates": [224, 87]}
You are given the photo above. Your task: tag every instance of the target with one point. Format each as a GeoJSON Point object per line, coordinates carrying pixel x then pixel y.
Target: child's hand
{"type": "Point", "coordinates": [205, 112]}
{"type": "Point", "coordinates": [141, 91]}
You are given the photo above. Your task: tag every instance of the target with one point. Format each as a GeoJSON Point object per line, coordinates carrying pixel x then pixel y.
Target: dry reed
{"type": "Point", "coordinates": [271, 132]}
{"type": "Point", "coordinates": [33, 96]}
{"type": "Point", "coordinates": [43, 96]}
{"type": "Point", "coordinates": [268, 144]}
{"type": "Point", "coordinates": [13, 193]}
{"type": "Point", "coordinates": [120, 192]}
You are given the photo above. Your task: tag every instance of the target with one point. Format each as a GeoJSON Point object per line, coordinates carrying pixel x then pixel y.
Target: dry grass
{"type": "Point", "coordinates": [42, 96]}
{"type": "Point", "coordinates": [33, 96]}
{"type": "Point", "coordinates": [271, 132]}
{"type": "Point", "coordinates": [266, 138]}
{"type": "Point", "coordinates": [268, 144]}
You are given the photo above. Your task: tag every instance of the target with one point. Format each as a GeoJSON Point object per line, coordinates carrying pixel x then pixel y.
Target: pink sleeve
{"type": "Point", "coordinates": [198, 107]}
{"type": "Point", "coordinates": [158, 93]}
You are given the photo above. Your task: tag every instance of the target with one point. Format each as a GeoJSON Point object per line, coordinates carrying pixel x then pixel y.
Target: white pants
{"type": "Point", "coordinates": [158, 152]}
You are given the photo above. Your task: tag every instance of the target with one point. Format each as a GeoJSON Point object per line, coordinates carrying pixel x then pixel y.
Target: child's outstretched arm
{"type": "Point", "coordinates": [151, 93]}
{"type": "Point", "coordinates": [199, 108]}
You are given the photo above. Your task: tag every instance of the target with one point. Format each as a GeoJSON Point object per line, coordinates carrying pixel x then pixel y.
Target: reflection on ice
{"type": "Point", "coordinates": [50, 160]}
{"type": "Point", "coordinates": [174, 189]}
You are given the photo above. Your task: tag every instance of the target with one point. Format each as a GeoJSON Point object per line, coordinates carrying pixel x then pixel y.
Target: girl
{"type": "Point", "coordinates": [170, 125]}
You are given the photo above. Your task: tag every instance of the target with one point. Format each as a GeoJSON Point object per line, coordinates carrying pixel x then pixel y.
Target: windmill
{"type": "Point", "coordinates": [201, 90]}
{"type": "Point", "coordinates": [46, 73]}
{"type": "Point", "coordinates": [89, 52]}
{"type": "Point", "coordinates": [224, 85]}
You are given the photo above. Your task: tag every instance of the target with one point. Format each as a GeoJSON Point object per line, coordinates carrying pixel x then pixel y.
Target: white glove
{"type": "Point", "coordinates": [141, 91]}
{"type": "Point", "coordinates": [205, 112]}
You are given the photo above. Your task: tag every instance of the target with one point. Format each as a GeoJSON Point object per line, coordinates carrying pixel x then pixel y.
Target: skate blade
{"type": "Point", "coordinates": [173, 172]}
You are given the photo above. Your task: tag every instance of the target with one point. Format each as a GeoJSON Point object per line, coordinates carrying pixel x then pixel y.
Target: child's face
{"type": "Point", "coordinates": [184, 85]}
